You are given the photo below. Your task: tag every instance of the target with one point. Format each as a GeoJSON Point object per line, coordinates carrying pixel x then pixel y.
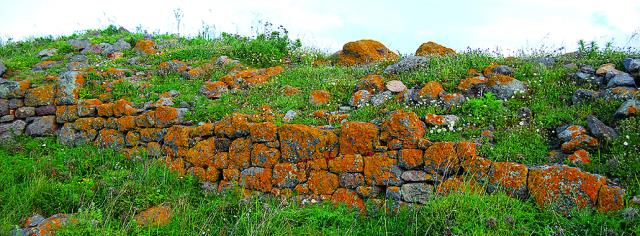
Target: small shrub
{"type": "Point", "coordinates": [266, 49]}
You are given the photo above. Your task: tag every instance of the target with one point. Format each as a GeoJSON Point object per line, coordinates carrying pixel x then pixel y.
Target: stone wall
{"type": "Point", "coordinates": [348, 164]}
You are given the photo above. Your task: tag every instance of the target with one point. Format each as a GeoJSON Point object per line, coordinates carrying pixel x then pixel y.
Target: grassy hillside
{"type": "Point", "coordinates": [106, 190]}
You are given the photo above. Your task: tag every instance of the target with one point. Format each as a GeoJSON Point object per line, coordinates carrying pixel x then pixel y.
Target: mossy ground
{"type": "Point", "coordinates": [110, 189]}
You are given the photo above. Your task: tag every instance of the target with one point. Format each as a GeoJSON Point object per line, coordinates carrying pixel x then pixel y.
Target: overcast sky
{"type": "Point", "coordinates": [401, 25]}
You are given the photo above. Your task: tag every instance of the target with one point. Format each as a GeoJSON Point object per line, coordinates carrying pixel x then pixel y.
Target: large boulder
{"type": "Point", "coordinates": [405, 127]}
{"type": "Point", "coordinates": [68, 88]}
{"type": "Point", "coordinates": [505, 87]}
{"type": "Point", "coordinates": [600, 130]}
{"type": "Point", "coordinates": [13, 89]}
{"type": "Point", "coordinates": [431, 48]}
{"type": "Point", "coordinates": [301, 143]}
{"type": "Point", "coordinates": [364, 52]}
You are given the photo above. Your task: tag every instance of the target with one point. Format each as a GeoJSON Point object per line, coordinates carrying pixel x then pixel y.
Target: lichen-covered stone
{"type": "Point", "coordinates": [368, 191]}
{"type": "Point", "coordinates": [66, 114]}
{"type": "Point", "coordinates": [360, 98]}
{"type": "Point", "coordinates": [24, 112]}
{"type": "Point", "coordinates": [109, 138]}
{"type": "Point", "coordinates": [13, 89]}
{"type": "Point", "coordinates": [263, 132]}
{"type": "Point", "coordinates": [372, 83]}
{"type": "Point", "coordinates": [322, 182]}
{"type": "Point", "coordinates": [379, 169]}
{"type": "Point", "coordinates": [123, 108]}
{"type": "Point", "coordinates": [346, 163]}
{"type": "Point", "coordinates": [8, 131]}
{"type": "Point", "coordinates": [510, 177]}
{"type": "Point", "coordinates": [240, 153]}
{"type": "Point", "coordinates": [431, 91]}
{"type": "Point", "coordinates": [88, 107]}
{"type": "Point", "coordinates": [403, 126]}
{"type": "Point", "coordinates": [146, 46]}
{"type": "Point", "coordinates": [610, 198]}
{"type": "Point", "coordinates": [68, 87]}
{"type": "Point", "coordinates": [256, 178]}
{"type": "Point", "coordinates": [152, 134]}
{"type": "Point", "coordinates": [358, 138]}
{"type": "Point", "coordinates": [177, 137]}
{"type": "Point", "coordinates": [233, 126]}
{"type": "Point", "coordinates": [431, 48]}
{"type": "Point", "coordinates": [202, 153]}
{"type": "Point", "coordinates": [319, 97]}
{"type": "Point", "coordinates": [441, 157]}
{"type": "Point", "coordinates": [288, 175]}
{"type": "Point", "coordinates": [410, 158]}
{"type": "Point", "coordinates": [301, 142]}
{"type": "Point", "coordinates": [563, 188]}
{"type": "Point", "coordinates": [40, 96]}
{"type": "Point", "coordinates": [364, 52]}
{"type": "Point", "coordinates": [214, 89]}
{"type": "Point", "coordinates": [264, 156]}
{"type": "Point", "coordinates": [69, 135]}
{"type": "Point", "coordinates": [165, 116]}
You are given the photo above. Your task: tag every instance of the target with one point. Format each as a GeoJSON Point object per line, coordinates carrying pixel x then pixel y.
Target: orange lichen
{"type": "Point", "coordinates": [459, 185]}
{"type": "Point", "coordinates": [467, 83]}
{"type": "Point", "coordinates": [39, 96]}
{"type": "Point", "coordinates": [431, 48]}
{"type": "Point", "coordinates": [177, 136]}
{"type": "Point", "coordinates": [123, 108]}
{"type": "Point", "coordinates": [289, 175]}
{"type": "Point", "coordinates": [466, 150]}
{"type": "Point", "coordinates": [434, 119]}
{"type": "Point", "coordinates": [431, 90]}
{"type": "Point", "coordinates": [371, 83]}
{"type": "Point", "coordinates": [232, 126]}
{"type": "Point", "coordinates": [346, 163]}
{"type": "Point", "coordinates": [196, 72]}
{"type": "Point", "coordinates": [348, 197]}
{"type": "Point", "coordinates": [231, 174]}
{"type": "Point", "coordinates": [257, 179]}
{"type": "Point", "coordinates": [579, 157]}
{"type": "Point", "coordinates": [202, 153]}
{"type": "Point", "coordinates": [214, 89]}
{"type": "Point", "coordinates": [263, 132]}
{"type": "Point", "coordinates": [319, 97]}
{"type": "Point", "coordinates": [155, 216]}
{"type": "Point", "coordinates": [301, 142]}
{"type": "Point", "coordinates": [563, 187]}
{"type": "Point", "coordinates": [206, 174]}
{"type": "Point", "coordinates": [363, 52]}
{"type": "Point", "coordinates": [322, 182]}
{"type": "Point", "coordinates": [317, 164]}
{"type": "Point", "coordinates": [264, 156]}
{"type": "Point", "coordinates": [240, 153]}
{"type": "Point", "coordinates": [378, 170]}
{"type": "Point", "coordinates": [290, 90]}
{"type": "Point", "coordinates": [358, 138]}
{"type": "Point", "coordinates": [165, 116]}
{"type": "Point", "coordinates": [125, 123]}
{"type": "Point", "coordinates": [66, 113]}
{"type": "Point", "coordinates": [499, 79]}
{"type": "Point", "coordinates": [610, 199]}
{"type": "Point", "coordinates": [403, 126]}
{"type": "Point", "coordinates": [105, 110]}
{"type": "Point", "coordinates": [410, 158]}
{"type": "Point", "coordinates": [510, 177]}
{"type": "Point", "coordinates": [146, 46]}
{"type": "Point", "coordinates": [441, 157]}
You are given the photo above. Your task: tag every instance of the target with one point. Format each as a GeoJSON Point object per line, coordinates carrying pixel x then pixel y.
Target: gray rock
{"type": "Point", "coordinates": [351, 180]}
{"type": "Point", "coordinates": [627, 109]}
{"type": "Point", "coordinates": [79, 44]}
{"type": "Point", "coordinates": [584, 95]}
{"type": "Point", "coordinates": [565, 134]}
{"type": "Point", "coordinates": [546, 61]}
{"type": "Point", "coordinates": [45, 66]}
{"type": "Point", "coordinates": [588, 69]}
{"type": "Point", "coordinates": [621, 80]}
{"type": "Point", "coordinates": [67, 85]}
{"type": "Point", "coordinates": [68, 135]}
{"type": "Point", "coordinates": [25, 112]}
{"type": "Point", "coordinates": [396, 86]}
{"type": "Point", "coordinates": [48, 52]}
{"type": "Point", "coordinates": [452, 100]}
{"type": "Point", "coordinates": [380, 98]}
{"type": "Point", "coordinates": [7, 118]}
{"type": "Point", "coordinates": [45, 110]}
{"type": "Point", "coordinates": [9, 88]}
{"type": "Point", "coordinates": [3, 68]}
{"type": "Point", "coordinates": [290, 115]}
{"type": "Point", "coordinates": [586, 78]}
{"type": "Point", "coordinates": [502, 69]}
{"type": "Point", "coordinates": [4, 107]}
{"type": "Point", "coordinates": [121, 45]}
{"type": "Point", "coordinates": [42, 126]}
{"type": "Point", "coordinates": [525, 113]}
{"type": "Point", "coordinates": [416, 192]}
{"type": "Point", "coordinates": [360, 98]}
{"type": "Point", "coordinates": [408, 63]}
{"type": "Point", "coordinates": [9, 130]}
{"type": "Point", "coordinates": [35, 220]}
{"type": "Point", "coordinates": [415, 176]}
{"type": "Point", "coordinates": [225, 60]}
{"type": "Point", "coordinates": [508, 90]}
{"type": "Point", "coordinates": [620, 93]}
{"type": "Point", "coordinates": [631, 65]}
{"type": "Point", "coordinates": [600, 130]}
{"type": "Point", "coordinates": [15, 103]}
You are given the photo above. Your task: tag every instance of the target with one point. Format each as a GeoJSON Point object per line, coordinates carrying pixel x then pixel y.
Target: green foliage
{"type": "Point", "coordinates": [520, 145]}
{"type": "Point", "coordinates": [268, 48]}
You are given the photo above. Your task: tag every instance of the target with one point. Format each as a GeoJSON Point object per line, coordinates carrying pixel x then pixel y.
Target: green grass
{"type": "Point", "coordinates": [105, 190]}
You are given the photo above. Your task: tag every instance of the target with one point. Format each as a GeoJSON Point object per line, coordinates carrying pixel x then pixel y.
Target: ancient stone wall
{"type": "Point", "coordinates": [344, 165]}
